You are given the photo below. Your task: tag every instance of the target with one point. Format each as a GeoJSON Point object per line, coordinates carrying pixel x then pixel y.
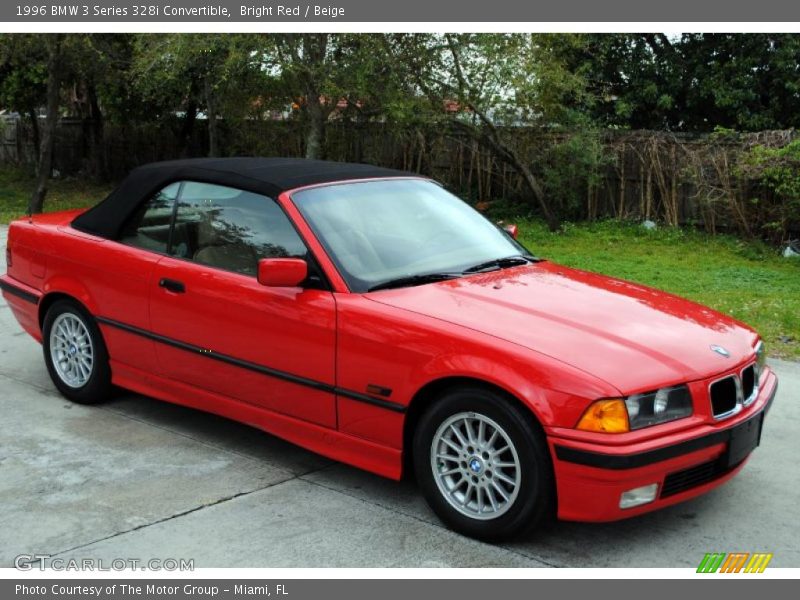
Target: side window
{"type": "Point", "coordinates": [231, 229]}
{"type": "Point", "coordinates": [148, 227]}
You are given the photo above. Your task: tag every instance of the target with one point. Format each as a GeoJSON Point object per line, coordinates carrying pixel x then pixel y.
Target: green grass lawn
{"type": "Point", "coordinates": [17, 185]}
{"type": "Point", "coordinates": [746, 280]}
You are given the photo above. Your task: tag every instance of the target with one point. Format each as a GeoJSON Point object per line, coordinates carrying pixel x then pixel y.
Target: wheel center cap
{"type": "Point", "coordinates": [475, 465]}
{"type": "Point", "coordinates": [73, 350]}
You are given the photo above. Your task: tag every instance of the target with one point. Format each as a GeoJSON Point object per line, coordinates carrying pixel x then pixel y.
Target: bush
{"type": "Point", "coordinates": [774, 174]}
{"type": "Point", "coordinates": [569, 168]}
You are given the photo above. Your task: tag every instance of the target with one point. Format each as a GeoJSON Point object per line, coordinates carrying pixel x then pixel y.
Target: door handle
{"type": "Point", "coordinates": [172, 285]}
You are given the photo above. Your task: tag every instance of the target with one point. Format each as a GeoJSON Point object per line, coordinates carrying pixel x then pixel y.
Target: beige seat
{"type": "Point", "coordinates": [215, 251]}
{"type": "Point", "coordinates": [234, 257]}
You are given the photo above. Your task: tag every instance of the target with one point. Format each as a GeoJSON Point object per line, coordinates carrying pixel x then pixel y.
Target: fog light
{"type": "Point", "coordinates": [638, 496]}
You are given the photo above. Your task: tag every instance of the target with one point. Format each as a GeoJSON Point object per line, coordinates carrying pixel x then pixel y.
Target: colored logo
{"type": "Point", "coordinates": [720, 350]}
{"type": "Point", "coordinates": [735, 562]}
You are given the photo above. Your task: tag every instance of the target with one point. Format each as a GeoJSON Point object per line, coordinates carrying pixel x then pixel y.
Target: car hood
{"type": "Point", "coordinates": [634, 337]}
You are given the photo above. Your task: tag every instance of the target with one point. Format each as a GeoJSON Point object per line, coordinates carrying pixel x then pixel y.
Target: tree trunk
{"type": "Point", "coordinates": [622, 181]}
{"type": "Point", "coordinates": [315, 48]}
{"type": "Point", "coordinates": [553, 223]}
{"type": "Point", "coordinates": [358, 142]}
{"type": "Point", "coordinates": [489, 135]}
{"type": "Point", "coordinates": [37, 141]}
{"type": "Point", "coordinates": [48, 139]}
{"type": "Point", "coordinates": [211, 109]}
{"type": "Point", "coordinates": [187, 128]}
{"type": "Point", "coordinates": [97, 159]}
{"type": "Point", "coordinates": [520, 166]}
{"type": "Point", "coordinates": [315, 132]}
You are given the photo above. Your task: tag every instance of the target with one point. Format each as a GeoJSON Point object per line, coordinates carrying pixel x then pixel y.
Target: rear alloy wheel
{"type": "Point", "coordinates": [71, 350]}
{"type": "Point", "coordinates": [75, 354]}
{"type": "Point", "coordinates": [483, 465]}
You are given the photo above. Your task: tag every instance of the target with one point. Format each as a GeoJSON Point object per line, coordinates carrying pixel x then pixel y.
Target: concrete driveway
{"type": "Point", "coordinates": [137, 478]}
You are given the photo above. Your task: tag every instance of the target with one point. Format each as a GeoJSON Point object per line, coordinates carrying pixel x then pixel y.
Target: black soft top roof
{"type": "Point", "coordinates": [267, 176]}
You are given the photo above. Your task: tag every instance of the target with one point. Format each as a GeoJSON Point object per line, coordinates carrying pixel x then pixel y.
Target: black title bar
{"type": "Point", "coordinates": [443, 11]}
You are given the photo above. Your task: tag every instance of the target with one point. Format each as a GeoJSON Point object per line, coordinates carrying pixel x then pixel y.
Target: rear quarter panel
{"type": "Point", "coordinates": [109, 279]}
{"type": "Point", "coordinates": [26, 268]}
{"type": "Point", "coordinates": [27, 244]}
{"type": "Point", "coordinates": [112, 280]}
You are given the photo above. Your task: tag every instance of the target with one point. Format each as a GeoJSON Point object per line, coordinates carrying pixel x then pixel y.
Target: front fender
{"type": "Point", "coordinates": [403, 354]}
{"type": "Point", "coordinates": [556, 393]}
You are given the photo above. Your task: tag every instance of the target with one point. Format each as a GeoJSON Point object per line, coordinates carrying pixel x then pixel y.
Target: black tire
{"type": "Point", "coordinates": [97, 386]}
{"type": "Point", "coordinates": [534, 501]}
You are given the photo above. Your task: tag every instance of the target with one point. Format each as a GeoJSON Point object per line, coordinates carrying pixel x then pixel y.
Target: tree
{"type": "Point", "coordinates": [191, 74]}
{"type": "Point", "coordinates": [69, 74]}
{"type": "Point", "coordinates": [95, 74]}
{"type": "Point", "coordinates": [744, 82]}
{"type": "Point", "coordinates": [305, 69]}
{"type": "Point", "coordinates": [497, 82]}
{"type": "Point", "coordinates": [690, 82]}
{"type": "Point", "coordinates": [23, 78]}
{"type": "Point", "coordinates": [53, 43]}
{"type": "Point", "coordinates": [320, 73]}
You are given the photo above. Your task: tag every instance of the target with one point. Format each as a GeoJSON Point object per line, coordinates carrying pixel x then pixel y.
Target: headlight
{"type": "Point", "coordinates": [761, 359]}
{"type": "Point", "coordinates": [660, 406]}
{"type": "Point", "coordinates": [616, 415]}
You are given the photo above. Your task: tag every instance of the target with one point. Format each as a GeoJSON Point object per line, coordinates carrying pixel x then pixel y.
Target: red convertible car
{"type": "Point", "coordinates": [369, 315]}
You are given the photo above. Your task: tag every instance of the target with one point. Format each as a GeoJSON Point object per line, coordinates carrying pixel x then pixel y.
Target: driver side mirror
{"type": "Point", "coordinates": [282, 272]}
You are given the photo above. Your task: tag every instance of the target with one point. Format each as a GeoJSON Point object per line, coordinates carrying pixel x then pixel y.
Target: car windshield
{"type": "Point", "coordinates": [401, 230]}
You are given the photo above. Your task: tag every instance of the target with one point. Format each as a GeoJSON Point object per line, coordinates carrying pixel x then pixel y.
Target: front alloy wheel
{"type": "Point", "coordinates": [483, 465]}
{"type": "Point", "coordinates": [476, 465]}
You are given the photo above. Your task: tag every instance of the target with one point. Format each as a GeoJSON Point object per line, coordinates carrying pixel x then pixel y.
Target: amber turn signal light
{"type": "Point", "coordinates": [608, 416]}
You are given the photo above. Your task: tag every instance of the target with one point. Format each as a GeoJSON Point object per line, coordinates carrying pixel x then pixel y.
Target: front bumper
{"type": "Point", "coordinates": [590, 477]}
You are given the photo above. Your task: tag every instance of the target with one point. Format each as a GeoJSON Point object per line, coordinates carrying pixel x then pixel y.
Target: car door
{"type": "Point", "coordinates": [119, 276]}
{"type": "Point", "coordinates": [222, 331]}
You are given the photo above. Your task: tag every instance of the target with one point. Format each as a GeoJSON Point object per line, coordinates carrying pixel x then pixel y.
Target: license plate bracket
{"type": "Point", "coordinates": [745, 438]}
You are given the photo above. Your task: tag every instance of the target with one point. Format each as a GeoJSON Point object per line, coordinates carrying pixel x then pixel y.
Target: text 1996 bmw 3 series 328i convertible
{"type": "Point", "coordinates": [371, 316]}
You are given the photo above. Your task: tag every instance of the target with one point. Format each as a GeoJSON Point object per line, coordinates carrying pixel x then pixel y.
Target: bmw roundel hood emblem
{"type": "Point", "coordinates": [720, 350]}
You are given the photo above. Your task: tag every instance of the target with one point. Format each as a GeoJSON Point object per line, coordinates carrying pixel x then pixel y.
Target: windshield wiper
{"type": "Point", "coordinates": [410, 280]}
{"type": "Point", "coordinates": [501, 263]}
{"type": "Point", "coordinates": [498, 263]}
